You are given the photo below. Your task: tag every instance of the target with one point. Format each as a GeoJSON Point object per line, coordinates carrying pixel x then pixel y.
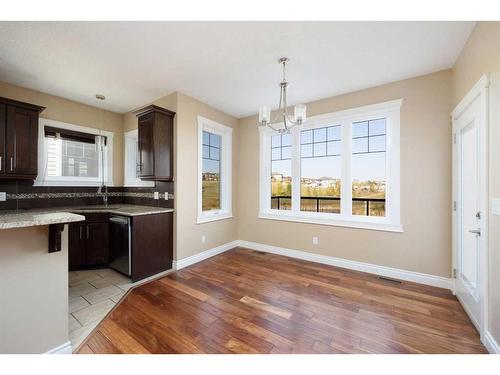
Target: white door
{"type": "Point", "coordinates": [469, 125]}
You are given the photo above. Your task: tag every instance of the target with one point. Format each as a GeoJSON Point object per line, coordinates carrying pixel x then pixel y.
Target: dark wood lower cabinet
{"type": "Point", "coordinates": [89, 242]}
{"type": "Point", "coordinates": [152, 244]}
{"type": "Point", "coordinates": [151, 251]}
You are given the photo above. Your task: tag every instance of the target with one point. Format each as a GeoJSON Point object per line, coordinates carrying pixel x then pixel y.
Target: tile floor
{"type": "Point", "coordinates": [92, 294]}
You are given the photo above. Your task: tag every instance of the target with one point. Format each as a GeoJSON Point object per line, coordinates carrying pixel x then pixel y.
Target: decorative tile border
{"type": "Point", "coordinates": [85, 195]}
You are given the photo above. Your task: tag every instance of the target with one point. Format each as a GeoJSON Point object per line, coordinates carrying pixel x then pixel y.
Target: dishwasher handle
{"type": "Point", "coordinates": [119, 220]}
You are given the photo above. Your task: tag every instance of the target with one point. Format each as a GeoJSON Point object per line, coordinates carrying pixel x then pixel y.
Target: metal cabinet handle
{"type": "Point", "coordinates": [476, 231]}
{"type": "Point", "coordinates": [80, 232]}
{"type": "Point", "coordinates": [88, 232]}
{"type": "Point", "coordinates": [1, 163]}
{"type": "Point", "coordinates": [11, 164]}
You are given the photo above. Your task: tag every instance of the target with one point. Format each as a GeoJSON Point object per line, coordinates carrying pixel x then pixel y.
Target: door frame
{"type": "Point", "coordinates": [481, 91]}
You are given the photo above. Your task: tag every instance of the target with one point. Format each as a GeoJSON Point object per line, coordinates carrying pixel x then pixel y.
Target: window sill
{"type": "Point", "coordinates": [369, 225]}
{"type": "Point", "coordinates": [214, 217]}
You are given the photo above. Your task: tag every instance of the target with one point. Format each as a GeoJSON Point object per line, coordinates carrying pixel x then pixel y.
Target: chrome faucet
{"type": "Point", "coordinates": [105, 195]}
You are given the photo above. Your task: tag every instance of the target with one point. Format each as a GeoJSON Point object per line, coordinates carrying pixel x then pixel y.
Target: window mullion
{"type": "Point", "coordinates": [346, 187]}
{"type": "Point", "coordinates": [295, 170]}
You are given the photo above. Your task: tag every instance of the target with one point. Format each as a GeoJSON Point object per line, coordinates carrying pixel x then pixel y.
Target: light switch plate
{"type": "Point", "coordinates": [315, 240]}
{"type": "Point", "coordinates": [156, 195]}
{"type": "Point", "coordinates": [495, 206]}
{"type": "Point", "coordinates": [3, 196]}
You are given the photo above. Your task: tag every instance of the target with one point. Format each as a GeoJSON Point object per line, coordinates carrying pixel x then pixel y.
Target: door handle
{"type": "Point", "coordinates": [477, 232]}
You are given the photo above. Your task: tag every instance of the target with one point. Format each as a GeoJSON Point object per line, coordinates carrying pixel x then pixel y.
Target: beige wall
{"type": "Point", "coordinates": [187, 234]}
{"type": "Point", "coordinates": [33, 291]}
{"type": "Point", "coordinates": [188, 241]}
{"type": "Point", "coordinates": [481, 55]}
{"type": "Point", "coordinates": [425, 244]}
{"type": "Point", "coordinates": [65, 110]}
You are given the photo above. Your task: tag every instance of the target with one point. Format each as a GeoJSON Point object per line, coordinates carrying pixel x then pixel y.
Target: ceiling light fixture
{"type": "Point", "coordinates": [299, 113]}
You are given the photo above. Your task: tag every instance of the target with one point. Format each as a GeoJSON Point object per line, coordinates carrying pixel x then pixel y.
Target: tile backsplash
{"type": "Point", "coordinates": [23, 195]}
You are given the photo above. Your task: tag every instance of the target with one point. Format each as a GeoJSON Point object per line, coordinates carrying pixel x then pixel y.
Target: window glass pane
{"type": "Point", "coordinates": [333, 148]}
{"type": "Point", "coordinates": [360, 129]}
{"type": "Point", "coordinates": [210, 185]}
{"type": "Point", "coordinates": [276, 153]}
{"type": "Point", "coordinates": [368, 184]}
{"type": "Point", "coordinates": [306, 136]}
{"type": "Point", "coordinates": [276, 140]}
{"type": "Point", "coordinates": [67, 158]}
{"type": "Point", "coordinates": [281, 185]}
{"type": "Point", "coordinates": [377, 143]}
{"type": "Point", "coordinates": [319, 135]}
{"type": "Point", "coordinates": [333, 133]}
{"type": "Point", "coordinates": [286, 152]}
{"type": "Point", "coordinates": [320, 149]}
{"type": "Point", "coordinates": [360, 145]}
{"type": "Point", "coordinates": [206, 138]}
{"type": "Point", "coordinates": [306, 151]}
{"type": "Point", "coordinates": [377, 127]}
{"type": "Point", "coordinates": [206, 152]}
{"type": "Point", "coordinates": [286, 140]}
{"type": "Point", "coordinates": [214, 153]}
{"type": "Point", "coordinates": [214, 140]}
{"type": "Point", "coordinates": [320, 184]}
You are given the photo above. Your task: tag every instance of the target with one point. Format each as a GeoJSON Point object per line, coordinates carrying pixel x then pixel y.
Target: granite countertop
{"type": "Point", "coordinates": [22, 219]}
{"type": "Point", "coordinates": [31, 218]}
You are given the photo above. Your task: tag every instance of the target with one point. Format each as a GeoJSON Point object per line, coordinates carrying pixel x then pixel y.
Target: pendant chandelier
{"type": "Point", "coordinates": [282, 116]}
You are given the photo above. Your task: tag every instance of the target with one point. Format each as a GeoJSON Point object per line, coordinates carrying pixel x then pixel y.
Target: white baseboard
{"type": "Point", "coordinates": [65, 348]}
{"type": "Point", "coordinates": [416, 277]}
{"type": "Point", "coordinates": [185, 262]}
{"type": "Point", "coordinates": [491, 344]}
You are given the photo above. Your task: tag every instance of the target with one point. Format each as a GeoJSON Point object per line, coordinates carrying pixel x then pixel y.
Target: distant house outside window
{"type": "Point", "coordinates": [214, 171]}
{"type": "Point", "coordinates": [70, 155]}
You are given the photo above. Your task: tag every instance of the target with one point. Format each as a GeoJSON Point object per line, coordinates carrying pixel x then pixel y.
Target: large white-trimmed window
{"type": "Point", "coordinates": [130, 158]}
{"type": "Point", "coordinates": [70, 155]}
{"type": "Point", "coordinates": [214, 171]}
{"type": "Point", "coordinates": [341, 168]}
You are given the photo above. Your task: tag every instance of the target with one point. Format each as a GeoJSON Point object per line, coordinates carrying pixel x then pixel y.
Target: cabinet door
{"type": "Point", "coordinates": [97, 248]}
{"type": "Point", "coordinates": [76, 245]}
{"type": "Point", "coordinates": [22, 139]}
{"type": "Point", "coordinates": [152, 245]}
{"type": "Point", "coordinates": [146, 146]}
{"type": "Point", "coordinates": [164, 147]}
{"type": "Point", "coordinates": [2, 138]}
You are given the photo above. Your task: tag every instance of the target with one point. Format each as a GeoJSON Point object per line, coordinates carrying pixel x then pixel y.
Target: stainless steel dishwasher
{"type": "Point", "coordinates": [120, 244]}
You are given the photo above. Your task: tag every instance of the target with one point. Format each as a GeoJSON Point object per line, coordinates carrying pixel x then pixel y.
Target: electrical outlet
{"type": "Point", "coordinates": [315, 240]}
{"type": "Point", "coordinates": [203, 239]}
{"type": "Point", "coordinates": [3, 196]}
{"type": "Point", "coordinates": [156, 195]}
{"type": "Point", "coordinates": [166, 195]}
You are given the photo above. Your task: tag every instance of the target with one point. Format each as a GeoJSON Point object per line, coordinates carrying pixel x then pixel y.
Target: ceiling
{"type": "Point", "coordinates": [231, 66]}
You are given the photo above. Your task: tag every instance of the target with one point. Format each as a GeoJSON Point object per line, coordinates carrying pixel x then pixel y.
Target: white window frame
{"type": "Point", "coordinates": [226, 134]}
{"type": "Point", "coordinates": [130, 178]}
{"type": "Point", "coordinates": [44, 180]}
{"type": "Point", "coordinates": [391, 222]}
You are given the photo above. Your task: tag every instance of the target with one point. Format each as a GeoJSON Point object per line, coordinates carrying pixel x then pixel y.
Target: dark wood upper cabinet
{"type": "Point", "coordinates": [18, 139]}
{"type": "Point", "coordinates": [156, 143]}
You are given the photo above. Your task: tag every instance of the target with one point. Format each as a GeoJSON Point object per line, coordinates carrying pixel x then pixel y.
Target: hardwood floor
{"type": "Point", "coordinates": [245, 301]}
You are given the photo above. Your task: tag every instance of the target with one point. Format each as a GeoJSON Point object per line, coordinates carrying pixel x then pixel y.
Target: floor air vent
{"type": "Point", "coordinates": [383, 278]}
